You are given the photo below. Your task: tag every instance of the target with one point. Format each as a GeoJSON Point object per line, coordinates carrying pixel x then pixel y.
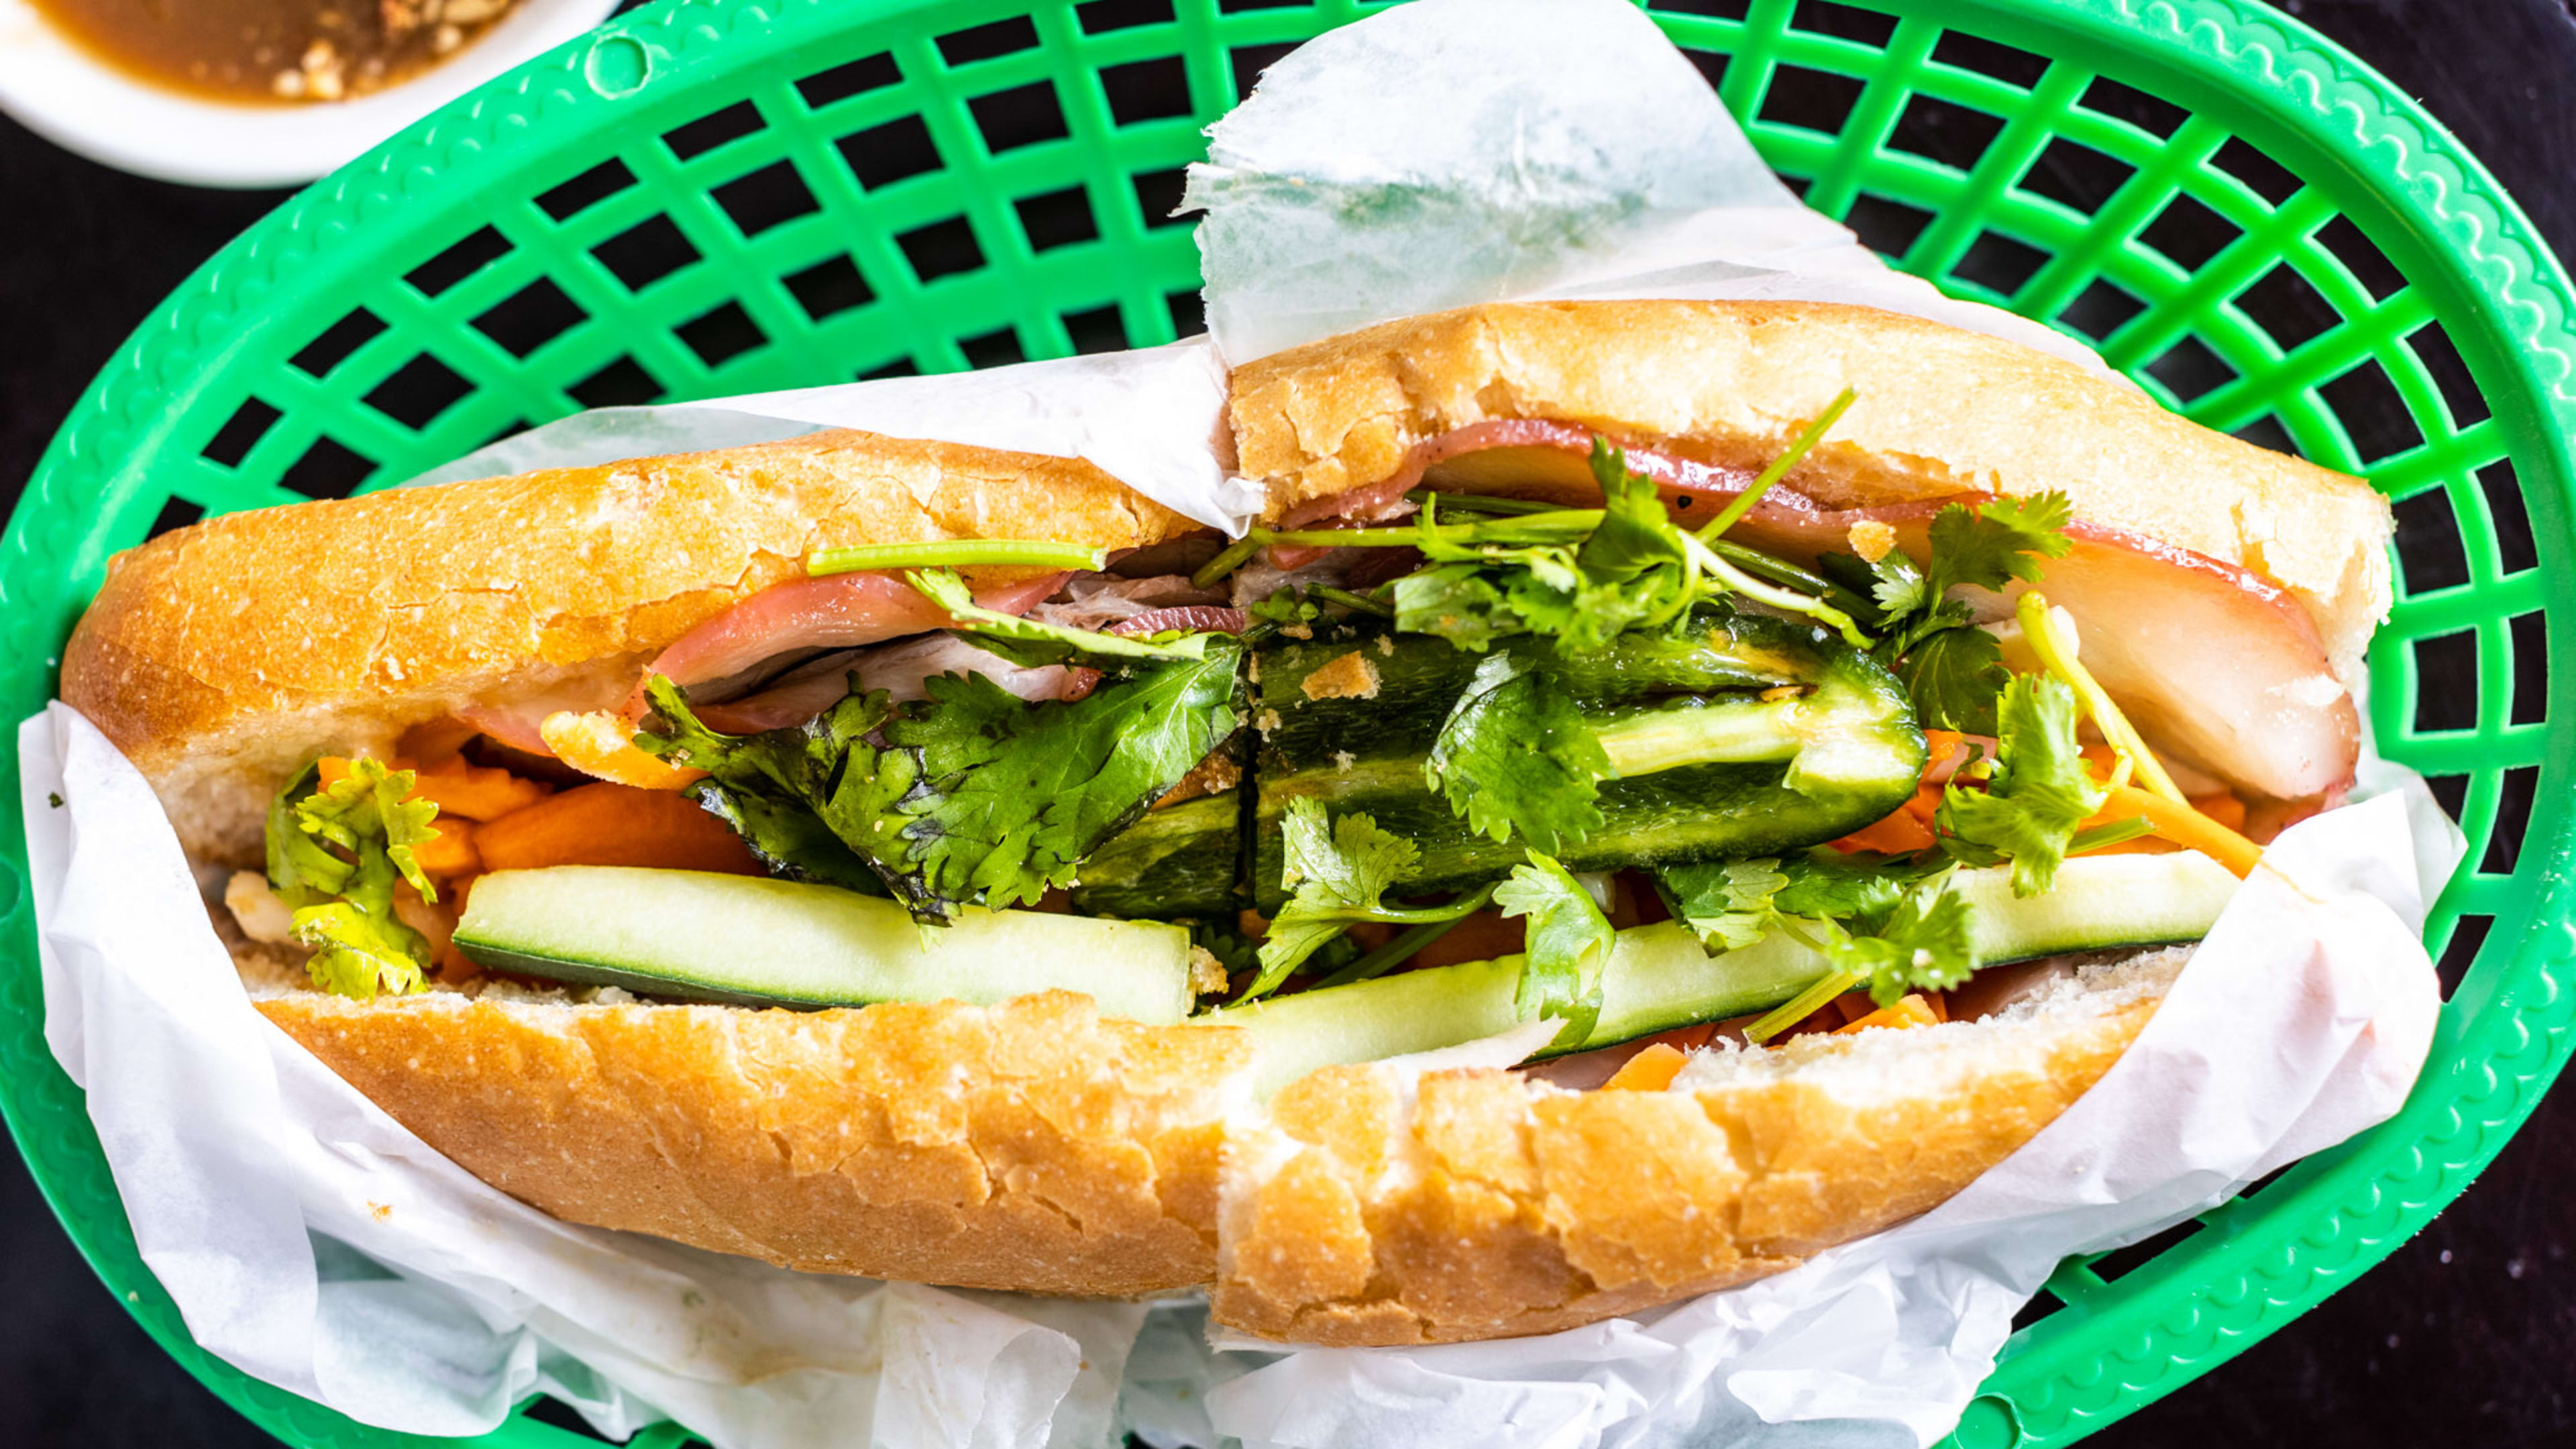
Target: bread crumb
{"type": "Point", "coordinates": [1207, 974]}
{"type": "Point", "coordinates": [1872, 539]}
{"type": "Point", "coordinates": [380, 1211]}
{"type": "Point", "coordinates": [1267, 721]}
{"type": "Point", "coordinates": [1343, 759]}
{"type": "Point", "coordinates": [1350, 676]}
{"type": "Point", "coordinates": [1386, 645]}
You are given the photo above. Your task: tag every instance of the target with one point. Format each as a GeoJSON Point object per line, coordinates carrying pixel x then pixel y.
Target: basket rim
{"type": "Point", "coordinates": [2269, 73]}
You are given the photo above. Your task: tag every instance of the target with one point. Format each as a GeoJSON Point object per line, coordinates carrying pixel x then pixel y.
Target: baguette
{"type": "Point", "coordinates": [1033, 1145]}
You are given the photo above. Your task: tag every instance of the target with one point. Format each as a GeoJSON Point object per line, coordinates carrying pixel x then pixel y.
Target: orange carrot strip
{"type": "Point", "coordinates": [474, 793]}
{"type": "Point", "coordinates": [449, 850]}
{"type": "Point", "coordinates": [613, 825]}
{"type": "Point", "coordinates": [599, 743]}
{"type": "Point", "coordinates": [1650, 1070]}
{"type": "Point", "coordinates": [1905, 830]}
{"type": "Point", "coordinates": [1910, 1010]}
{"type": "Point", "coordinates": [2182, 825]}
{"type": "Point", "coordinates": [2222, 807]}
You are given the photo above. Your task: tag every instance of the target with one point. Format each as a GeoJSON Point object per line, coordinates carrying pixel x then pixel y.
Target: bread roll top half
{"type": "Point", "coordinates": [219, 656]}
{"type": "Point", "coordinates": [1939, 412]}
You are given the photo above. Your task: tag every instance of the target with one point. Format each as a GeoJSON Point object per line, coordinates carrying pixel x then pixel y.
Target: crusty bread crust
{"type": "Point", "coordinates": [1034, 1146]}
{"type": "Point", "coordinates": [1030, 1146]}
{"type": "Point", "coordinates": [219, 655]}
{"type": "Point", "coordinates": [1491, 1205]}
{"type": "Point", "coordinates": [1940, 411]}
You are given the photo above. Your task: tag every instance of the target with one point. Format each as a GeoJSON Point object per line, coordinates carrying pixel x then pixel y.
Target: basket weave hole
{"type": "Point", "coordinates": [765, 198]}
{"type": "Point", "coordinates": [176, 512]}
{"type": "Point", "coordinates": [941, 249]}
{"type": "Point", "coordinates": [1814, 100]}
{"type": "Point", "coordinates": [829, 287]}
{"type": "Point", "coordinates": [240, 433]}
{"type": "Point", "coordinates": [717, 128]}
{"type": "Point", "coordinates": [1943, 131]}
{"type": "Point", "coordinates": [851, 78]}
{"type": "Point", "coordinates": [2262, 175]}
{"type": "Point", "coordinates": [1020, 116]}
{"type": "Point", "coordinates": [989, 41]}
{"type": "Point", "coordinates": [2287, 306]}
{"type": "Point", "coordinates": [586, 190]}
{"type": "Point", "coordinates": [1885, 226]}
{"type": "Point", "coordinates": [337, 342]}
{"type": "Point", "coordinates": [2430, 553]}
{"type": "Point", "coordinates": [1249, 61]}
{"type": "Point", "coordinates": [2119, 1263]}
{"type": "Point", "coordinates": [1845, 22]}
{"type": "Point", "coordinates": [2118, 101]}
{"type": "Point", "coordinates": [2372, 411]}
{"type": "Point", "coordinates": [2076, 175]}
{"type": "Point", "coordinates": [1099, 17]}
{"type": "Point", "coordinates": [2446, 682]}
{"type": "Point", "coordinates": [328, 469]}
{"type": "Point", "coordinates": [2460, 953]}
{"type": "Point", "coordinates": [1967, 51]}
{"type": "Point", "coordinates": [884, 154]}
{"type": "Point", "coordinates": [2102, 308]}
{"type": "Point", "coordinates": [418, 392]}
{"type": "Point", "coordinates": [2361, 257]}
{"type": "Point", "coordinates": [1998, 263]}
{"type": "Point", "coordinates": [1158, 195]}
{"type": "Point", "coordinates": [646, 252]}
{"type": "Point", "coordinates": [530, 317]}
{"type": "Point", "coordinates": [2190, 370]}
{"type": "Point", "coordinates": [2440, 359]}
{"type": "Point", "coordinates": [997, 348]}
{"type": "Point", "coordinates": [1056, 219]}
{"type": "Point", "coordinates": [2516, 549]}
{"type": "Point", "coordinates": [1096, 329]}
{"type": "Point", "coordinates": [478, 250]}
{"type": "Point", "coordinates": [2189, 233]}
{"type": "Point", "coordinates": [2528, 634]}
{"type": "Point", "coordinates": [1147, 90]}
{"type": "Point", "coordinates": [2514, 792]}
{"type": "Point", "coordinates": [622, 383]}
{"type": "Point", "coordinates": [721, 333]}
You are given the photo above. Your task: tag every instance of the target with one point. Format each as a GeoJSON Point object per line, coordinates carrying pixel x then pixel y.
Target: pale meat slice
{"type": "Point", "coordinates": [2218, 665]}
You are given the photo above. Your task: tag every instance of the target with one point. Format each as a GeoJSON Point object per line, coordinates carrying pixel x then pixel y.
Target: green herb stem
{"type": "Point", "coordinates": [1807, 439]}
{"type": "Point", "coordinates": [1405, 945]}
{"type": "Point", "coordinates": [954, 553]}
{"type": "Point", "coordinates": [1356, 603]}
{"type": "Point", "coordinates": [1780, 571]}
{"type": "Point", "coordinates": [1481, 502]}
{"type": "Point", "coordinates": [2115, 832]}
{"type": "Point", "coordinates": [1801, 1006]}
{"type": "Point", "coordinates": [1233, 556]}
{"type": "Point", "coordinates": [1778, 598]}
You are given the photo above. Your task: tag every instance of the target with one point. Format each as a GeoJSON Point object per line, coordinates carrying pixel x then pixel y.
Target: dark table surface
{"type": "Point", "coordinates": [2463, 1334]}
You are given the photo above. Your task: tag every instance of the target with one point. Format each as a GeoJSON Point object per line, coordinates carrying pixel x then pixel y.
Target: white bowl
{"type": "Point", "coordinates": [59, 91]}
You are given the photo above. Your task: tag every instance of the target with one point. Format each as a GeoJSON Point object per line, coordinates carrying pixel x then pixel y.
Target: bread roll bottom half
{"type": "Point", "coordinates": [1034, 1145]}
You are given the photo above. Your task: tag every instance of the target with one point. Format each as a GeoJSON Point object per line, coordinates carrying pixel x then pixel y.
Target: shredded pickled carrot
{"type": "Point", "coordinates": [2183, 825]}
{"type": "Point", "coordinates": [1650, 1070]}
{"type": "Point", "coordinates": [1910, 1010]}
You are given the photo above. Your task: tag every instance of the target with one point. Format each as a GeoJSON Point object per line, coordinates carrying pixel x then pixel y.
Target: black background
{"type": "Point", "coordinates": [2465, 1333]}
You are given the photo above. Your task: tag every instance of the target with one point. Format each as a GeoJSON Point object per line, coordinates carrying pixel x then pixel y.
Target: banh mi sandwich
{"type": "Point", "coordinates": [1813, 736]}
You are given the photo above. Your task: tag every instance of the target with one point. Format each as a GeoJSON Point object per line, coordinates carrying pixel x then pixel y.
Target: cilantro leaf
{"type": "Point", "coordinates": [1457, 602]}
{"type": "Point", "coordinates": [1827, 884]}
{"type": "Point", "coordinates": [1996, 542]}
{"type": "Point", "coordinates": [1567, 942]}
{"type": "Point", "coordinates": [972, 796]}
{"type": "Point", "coordinates": [1339, 871]}
{"type": "Point", "coordinates": [2038, 794]}
{"type": "Point", "coordinates": [1727, 903]}
{"type": "Point", "coordinates": [1953, 676]}
{"type": "Point", "coordinates": [1516, 755]}
{"type": "Point", "coordinates": [357, 953]}
{"type": "Point", "coordinates": [335, 854]}
{"type": "Point", "coordinates": [1031, 643]}
{"type": "Point", "coordinates": [1924, 944]}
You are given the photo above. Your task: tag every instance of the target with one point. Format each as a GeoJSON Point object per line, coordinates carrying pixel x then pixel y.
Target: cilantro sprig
{"type": "Point", "coordinates": [2038, 795]}
{"type": "Point", "coordinates": [1564, 947]}
{"type": "Point", "coordinates": [335, 854]}
{"type": "Point", "coordinates": [1339, 872]}
{"type": "Point", "coordinates": [1515, 756]}
{"type": "Point", "coordinates": [1953, 670]}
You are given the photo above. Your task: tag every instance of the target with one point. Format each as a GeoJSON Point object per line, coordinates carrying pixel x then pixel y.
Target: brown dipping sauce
{"type": "Point", "coordinates": [273, 50]}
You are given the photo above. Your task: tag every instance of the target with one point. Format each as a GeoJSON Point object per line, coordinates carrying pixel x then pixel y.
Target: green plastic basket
{"type": "Point", "coordinates": [729, 195]}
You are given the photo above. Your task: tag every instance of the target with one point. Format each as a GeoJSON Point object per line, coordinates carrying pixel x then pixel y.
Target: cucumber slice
{"type": "Point", "coordinates": [758, 942]}
{"type": "Point", "coordinates": [1659, 978]}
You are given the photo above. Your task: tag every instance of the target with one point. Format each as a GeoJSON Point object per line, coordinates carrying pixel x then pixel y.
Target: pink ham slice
{"type": "Point", "coordinates": [2215, 664]}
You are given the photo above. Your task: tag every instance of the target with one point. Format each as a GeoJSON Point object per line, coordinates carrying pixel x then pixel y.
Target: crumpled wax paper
{"type": "Point", "coordinates": [310, 1240]}
{"type": "Point", "coordinates": [1458, 151]}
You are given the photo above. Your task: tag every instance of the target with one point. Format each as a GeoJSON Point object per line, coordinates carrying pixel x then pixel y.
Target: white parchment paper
{"type": "Point", "coordinates": [1444, 152]}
